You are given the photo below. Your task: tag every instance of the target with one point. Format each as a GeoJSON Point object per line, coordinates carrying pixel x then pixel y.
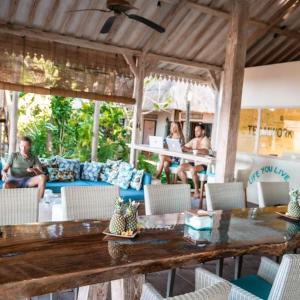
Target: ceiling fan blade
{"type": "Point", "coordinates": [108, 24]}
{"type": "Point", "coordinates": [87, 9]}
{"type": "Point", "coordinates": [146, 22]}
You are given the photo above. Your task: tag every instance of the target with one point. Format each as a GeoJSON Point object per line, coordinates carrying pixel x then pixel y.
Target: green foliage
{"type": "Point", "coordinates": [63, 126]}
{"type": "Point", "coordinates": [60, 128]}
{"type": "Point", "coordinates": [143, 164]}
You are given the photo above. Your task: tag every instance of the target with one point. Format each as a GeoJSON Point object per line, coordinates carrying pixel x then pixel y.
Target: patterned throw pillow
{"type": "Point", "coordinates": [91, 171]}
{"type": "Point", "coordinates": [124, 175]}
{"type": "Point", "coordinates": [65, 163]}
{"type": "Point", "coordinates": [56, 174]}
{"type": "Point", "coordinates": [110, 170]}
{"type": "Point", "coordinates": [137, 179]}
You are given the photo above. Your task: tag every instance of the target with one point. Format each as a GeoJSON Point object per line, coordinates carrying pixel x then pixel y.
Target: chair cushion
{"type": "Point", "coordinates": [58, 174]}
{"type": "Point", "coordinates": [254, 285]}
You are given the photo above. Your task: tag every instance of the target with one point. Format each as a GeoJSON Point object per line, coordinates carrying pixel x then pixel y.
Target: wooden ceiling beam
{"type": "Point", "coordinates": [184, 62]}
{"type": "Point", "coordinates": [12, 10]}
{"type": "Point", "coordinates": [277, 17]}
{"type": "Point", "coordinates": [32, 13]}
{"type": "Point", "coordinates": [67, 20]}
{"type": "Point", "coordinates": [79, 42]}
{"type": "Point", "coordinates": [51, 15]}
{"type": "Point", "coordinates": [226, 15]}
{"type": "Point", "coordinates": [289, 53]}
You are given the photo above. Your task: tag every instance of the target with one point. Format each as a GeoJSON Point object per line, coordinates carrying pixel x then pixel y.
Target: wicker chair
{"type": "Point", "coordinates": [88, 202]}
{"type": "Point", "coordinates": [272, 193]}
{"type": "Point", "coordinates": [226, 196]}
{"type": "Point", "coordinates": [218, 291]}
{"type": "Point", "coordinates": [167, 198]}
{"type": "Point", "coordinates": [19, 206]}
{"type": "Point", "coordinates": [272, 282]}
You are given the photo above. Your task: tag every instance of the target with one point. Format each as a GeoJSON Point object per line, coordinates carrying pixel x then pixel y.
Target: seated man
{"type": "Point", "coordinates": [202, 144]}
{"type": "Point", "coordinates": [25, 169]}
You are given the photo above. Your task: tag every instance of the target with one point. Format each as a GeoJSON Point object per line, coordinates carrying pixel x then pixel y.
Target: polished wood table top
{"type": "Point", "coordinates": [40, 258]}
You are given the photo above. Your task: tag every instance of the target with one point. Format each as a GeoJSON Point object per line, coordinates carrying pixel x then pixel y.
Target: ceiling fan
{"type": "Point", "coordinates": [121, 7]}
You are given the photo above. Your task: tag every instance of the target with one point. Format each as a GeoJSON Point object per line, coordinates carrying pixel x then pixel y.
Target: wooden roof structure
{"type": "Point", "coordinates": [193, 46]}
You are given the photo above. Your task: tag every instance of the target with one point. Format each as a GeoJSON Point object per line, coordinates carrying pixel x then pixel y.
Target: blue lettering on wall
{"type": "Point", "coordinates": [268, 170]}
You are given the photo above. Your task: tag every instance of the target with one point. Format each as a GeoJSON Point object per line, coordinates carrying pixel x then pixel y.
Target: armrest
{"type": "Point", "coordinates": [268, 269]}
{"type": "Point", "coordinates": [150, 293]}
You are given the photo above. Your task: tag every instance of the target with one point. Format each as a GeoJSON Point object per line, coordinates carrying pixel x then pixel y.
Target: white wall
{"type": "Point", "coordinates": [272, 86]}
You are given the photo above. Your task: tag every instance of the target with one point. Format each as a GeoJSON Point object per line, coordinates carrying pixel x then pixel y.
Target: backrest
{"type": "Point", "coordinates": [19, 206]}
{"type": "Point", "coordinates": [217, 291]}
{"type": "Point", "coordinates": [272, 193]}
{"type": "Point", "coordinates": [286, 285]}
{"type": "Point", "coordinates": [225, 196]}
{"type": "Point", "coordinates": [167, 198]}
{"type": "Point", "coordinates": [88, 202]}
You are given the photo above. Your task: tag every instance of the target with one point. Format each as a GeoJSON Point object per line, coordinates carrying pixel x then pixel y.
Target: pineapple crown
{"type": "Point", "coordinates": [131, 207]}
{"type": "Point", "coordinates": [294, 194]}
{"type": "Point", "coordinates": [119, 204]}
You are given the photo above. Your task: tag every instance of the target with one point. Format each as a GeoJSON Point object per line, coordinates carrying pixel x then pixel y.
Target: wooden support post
{"type": "Point", "coordinates": [137, 126]}
{"type": "Point", "coordinates": [93, 292]}
{"type": "Point", "coordinates": [232, 91]}
{"type": "Point", "coordinates": [13, 123]}
{"type": "Point", "coordinates": [127, 288]}
{"type": "Point", "coordinates": [95, 139]}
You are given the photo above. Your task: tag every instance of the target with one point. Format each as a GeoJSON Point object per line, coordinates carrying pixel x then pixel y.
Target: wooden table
{"type": "Point", "coordinates": [46, 257]}
{"type": "Point", "coordinates": [203, 159]}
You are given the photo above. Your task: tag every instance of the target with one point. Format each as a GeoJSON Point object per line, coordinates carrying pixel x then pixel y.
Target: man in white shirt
{"type": "Point", "coordinates": [200, 143]}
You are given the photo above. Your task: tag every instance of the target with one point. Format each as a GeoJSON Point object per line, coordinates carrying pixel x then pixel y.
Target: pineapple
{"type": "Point", "coordinates": [117, 222]}
{"type": "Point", "coordinates": [293, 207]}
{"type": "Point", "coordinates": [130, 217]}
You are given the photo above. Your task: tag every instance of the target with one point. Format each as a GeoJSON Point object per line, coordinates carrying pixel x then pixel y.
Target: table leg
{"type": "Point", "coordinates": [127, 288]}
{"type": "Point", "coordinates": [93, 292]}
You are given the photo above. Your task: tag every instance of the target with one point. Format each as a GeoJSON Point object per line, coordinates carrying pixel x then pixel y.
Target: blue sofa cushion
{"type": "Point", "coordinates": [254, 285]}
{"type": "Point", "coordinates": [126, 194]}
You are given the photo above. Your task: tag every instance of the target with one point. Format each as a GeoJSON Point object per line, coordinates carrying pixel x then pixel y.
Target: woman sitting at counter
{"type": "Point", "coordinates": [166, 161]}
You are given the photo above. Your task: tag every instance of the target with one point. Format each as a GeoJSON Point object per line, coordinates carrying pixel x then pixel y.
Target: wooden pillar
{"type": "Point", "coordinates": [13, 123]}
{"type": "Point", "coordinates": [127, 288]}
{"type": "Point", "coordinates": [137, 126]}
{"type": "Point", "coordinates": [232, 91]}
{"type": "Point", "coordinates": [95, 139]}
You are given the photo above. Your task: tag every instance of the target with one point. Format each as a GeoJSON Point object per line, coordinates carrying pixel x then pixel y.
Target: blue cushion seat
{"type": "Point", "coordinates": [254, 285]}
{"type": "Point", "coordinates": [126, 194]}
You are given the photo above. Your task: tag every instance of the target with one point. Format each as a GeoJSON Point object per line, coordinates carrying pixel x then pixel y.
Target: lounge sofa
{"type": "Point", "coordinates": [126, 194]}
